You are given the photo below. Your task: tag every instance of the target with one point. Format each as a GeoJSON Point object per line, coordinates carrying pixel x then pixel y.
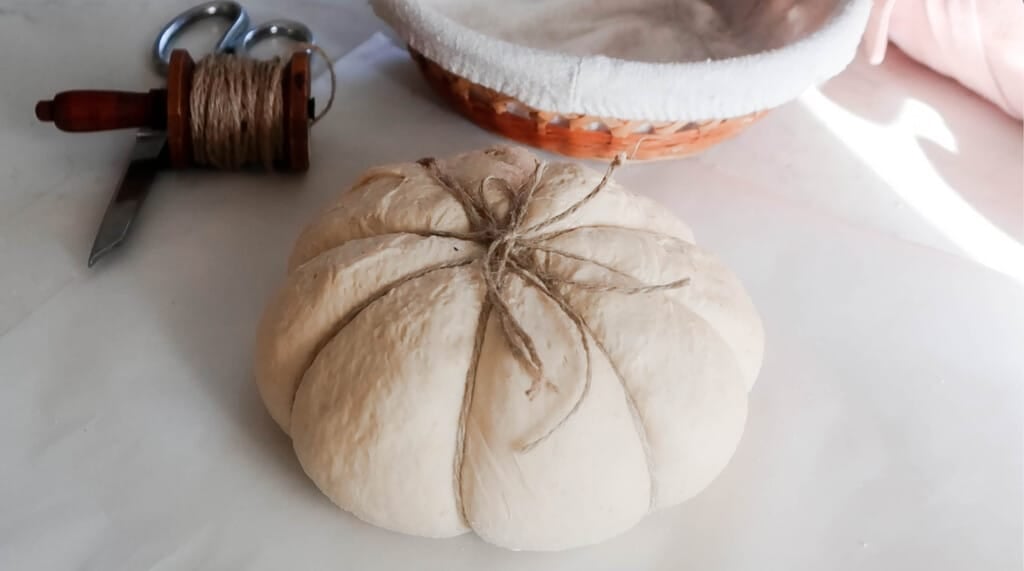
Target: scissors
{"type": "Point", "coordinates": [150, 151]}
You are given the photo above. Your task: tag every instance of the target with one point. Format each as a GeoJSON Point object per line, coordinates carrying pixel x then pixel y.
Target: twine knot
{"type": "Point", "coordinates": [511, 249]}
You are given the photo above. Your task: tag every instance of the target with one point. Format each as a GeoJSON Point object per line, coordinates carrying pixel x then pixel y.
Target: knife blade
{"type": "Point", "coordinates": [148, 156]}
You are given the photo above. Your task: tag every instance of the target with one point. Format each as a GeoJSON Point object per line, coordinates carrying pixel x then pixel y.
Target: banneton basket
{"type": "Point", "coordinates": [649, 78]}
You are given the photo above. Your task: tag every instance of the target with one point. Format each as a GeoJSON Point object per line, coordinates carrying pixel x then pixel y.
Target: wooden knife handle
{"type": "Point", "coordinates": [89, 110]}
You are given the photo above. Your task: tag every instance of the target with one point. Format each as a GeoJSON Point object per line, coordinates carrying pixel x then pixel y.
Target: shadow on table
{"type": "Point", "coordinates": [946, 175]}
{"type": "Point", "coordinates": [988, 176]}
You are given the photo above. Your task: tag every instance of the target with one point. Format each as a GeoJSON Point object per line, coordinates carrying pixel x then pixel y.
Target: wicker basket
{"type": "Point", "coordinates": [581, 136]}
{"type": "Point", "coordinates": [652, 79]}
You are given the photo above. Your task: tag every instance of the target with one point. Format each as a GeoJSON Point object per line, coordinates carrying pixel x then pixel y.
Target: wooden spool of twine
{"type": "Point", "coordinates": [224, 111]}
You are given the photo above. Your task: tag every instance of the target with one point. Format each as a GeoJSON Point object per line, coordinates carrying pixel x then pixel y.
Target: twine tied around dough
{"type": "Point", "coordinates": [511, 250]}
{"type": "Point", "coordinates": [237, 109]}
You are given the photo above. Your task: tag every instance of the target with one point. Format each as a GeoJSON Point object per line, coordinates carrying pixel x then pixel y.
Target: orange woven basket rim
{"type": "Point", "coordinates": [577, 135]}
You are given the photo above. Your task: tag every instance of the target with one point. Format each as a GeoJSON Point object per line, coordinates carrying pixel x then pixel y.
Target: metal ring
{"type": "Point", "coordinates": [295, 31]}
{"type": "Point", "coordinates": [229, 42]}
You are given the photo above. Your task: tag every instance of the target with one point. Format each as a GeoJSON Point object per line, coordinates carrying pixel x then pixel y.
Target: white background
{"type": "Point", "coordinates": [876, 224]}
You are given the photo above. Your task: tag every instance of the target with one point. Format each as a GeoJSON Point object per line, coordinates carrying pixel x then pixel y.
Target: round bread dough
{"type": "Point", "coordinates": [385, 359]}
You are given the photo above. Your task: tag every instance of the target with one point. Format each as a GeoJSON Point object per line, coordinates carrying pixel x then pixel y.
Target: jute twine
{"type": "Point", "coordinates": [512, 249]}
{"type": "Point", "coordinates": [237, 109]}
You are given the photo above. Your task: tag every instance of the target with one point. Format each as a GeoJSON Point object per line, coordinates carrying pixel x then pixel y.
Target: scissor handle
{"type": "Point", "coordinates": [228, 43]}
{"type": "Point", "coordinates": [237, 39]}
{"type": "Point", "coordinates": [295, 31]}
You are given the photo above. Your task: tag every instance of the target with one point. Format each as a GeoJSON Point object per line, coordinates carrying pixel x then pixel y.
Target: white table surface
{"type": "Point", "coordinates": [876, 222]}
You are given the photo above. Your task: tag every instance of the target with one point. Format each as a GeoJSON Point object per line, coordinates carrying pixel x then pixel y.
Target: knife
{"type": "Point", "coordinates": [149, 155]}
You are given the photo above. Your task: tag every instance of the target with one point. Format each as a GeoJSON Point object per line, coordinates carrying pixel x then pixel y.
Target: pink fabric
{"type": "Point", "coordinates": [980, 43]}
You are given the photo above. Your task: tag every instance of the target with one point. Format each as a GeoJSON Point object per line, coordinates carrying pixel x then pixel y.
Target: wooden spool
{"type": "Point", "coordinates": [169, 109]}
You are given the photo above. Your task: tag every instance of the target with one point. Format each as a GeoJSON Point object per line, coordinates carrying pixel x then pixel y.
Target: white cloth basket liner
{"type": "Point", "coordinates": [560, 81]}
